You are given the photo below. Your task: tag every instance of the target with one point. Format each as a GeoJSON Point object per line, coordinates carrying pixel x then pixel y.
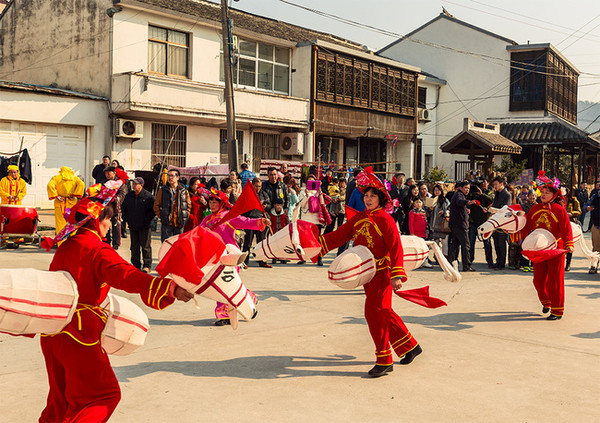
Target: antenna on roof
{"type": "Point", "coordinates": [445, 12]}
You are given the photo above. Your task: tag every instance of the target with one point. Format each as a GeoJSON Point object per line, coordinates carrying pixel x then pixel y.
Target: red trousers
{"type": "Point", "coordinates": [83, 386]}
{"type": "Point", "coordinates": [549, 282]}
{"type": "Point", "coordinates": [386, 327]}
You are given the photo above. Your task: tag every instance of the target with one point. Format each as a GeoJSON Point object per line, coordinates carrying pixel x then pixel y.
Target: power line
{"type": "Point", "coordinates": [515, 20]}
{"type": "Point", "coordinates": [511, 63]}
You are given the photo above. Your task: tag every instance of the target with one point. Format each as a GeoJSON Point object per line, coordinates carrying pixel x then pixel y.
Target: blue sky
{"type": "Point", "coordinates": [573, 27]}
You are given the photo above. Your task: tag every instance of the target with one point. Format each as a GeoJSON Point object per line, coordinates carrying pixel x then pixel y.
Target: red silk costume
{"type": "Point", "coordinates": [83, 386]}
{"type": "Point", "coordinates": [549, 275]}
{"type": "Point", "coordinates": [377, 231]}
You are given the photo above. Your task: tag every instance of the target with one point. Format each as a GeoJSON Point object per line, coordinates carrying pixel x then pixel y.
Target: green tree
{"type": "Point", "coordinates": [435, 174]}
{"type": "Point", "coordinates": [510, 169]}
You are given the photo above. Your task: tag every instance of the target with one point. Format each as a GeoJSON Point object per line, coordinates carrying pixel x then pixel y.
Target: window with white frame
{"type": "Point", "coordinates": [168, 51]}
{"type": "Point", "coordinates": [262, 66]}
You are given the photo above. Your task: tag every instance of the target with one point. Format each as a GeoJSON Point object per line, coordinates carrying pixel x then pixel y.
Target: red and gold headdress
{"type": "Point", "coordinates": [368, 179]}
{"type": "Point", "coordinates": [220, 196]}
{"type": "Point", "coordinates": [87, 207]}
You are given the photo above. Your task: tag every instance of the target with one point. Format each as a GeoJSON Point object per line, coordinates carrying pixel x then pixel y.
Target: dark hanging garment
{"type": "Point", "coordinates": [25, 167]}
{"type": "Point", "coordinates": [4, 162]}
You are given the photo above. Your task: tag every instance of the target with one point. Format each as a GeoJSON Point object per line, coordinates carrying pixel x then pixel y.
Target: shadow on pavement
{"type": "Point", "coordinates": [590, 295]}
{"type": "Point", "coordinates": [592, 335]}
{"type": "Point", "coordinates": [203, 322]}
{"type": "Point", "coordinates": [264, 367]}
{"type": "Point", "coordinates": [459, 321]}
{"type": "Point", "coordinates": [285, 295]}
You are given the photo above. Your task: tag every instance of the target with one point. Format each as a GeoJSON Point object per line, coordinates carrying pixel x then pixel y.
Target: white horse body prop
{"type": "Point", "coordinates": [416, 250]}
{"type": "Point", "coordinates": [221, 281]}
{"type": "Point", "coordinates": [512, 219]}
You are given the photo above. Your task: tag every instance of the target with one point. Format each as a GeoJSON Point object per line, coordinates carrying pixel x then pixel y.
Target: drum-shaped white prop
{"type": "Point", "coordinates": [126, 326]}
{"type": "Point", "coordinates": [36, 301]}
{"type": "Point", "coordinates": [221, 281]}
{"type": "Point", "coordinates": [539, 240]}
{"type": "Point", "coordinates": [415, 250]}
{"type": "Point", "coordinates": [297, 241]}
{"type": "Point", "coordinates": [353, 268]}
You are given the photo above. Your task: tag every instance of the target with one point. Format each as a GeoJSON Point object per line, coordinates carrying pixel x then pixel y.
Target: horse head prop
{"type": "Point", "coordinates": [510, 219]}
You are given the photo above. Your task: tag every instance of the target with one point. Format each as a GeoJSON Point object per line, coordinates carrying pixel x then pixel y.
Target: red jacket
{"type": "Point", "coordinates": [378, 232]}
{"type": "Point", "coordinates": [96, 267]}
{"type": "Point", "coordinates": [417, 223]}
{"type": "Point", "coordinates": [552, 217]}
{"type": "Point", "coordinates": [278, 221]}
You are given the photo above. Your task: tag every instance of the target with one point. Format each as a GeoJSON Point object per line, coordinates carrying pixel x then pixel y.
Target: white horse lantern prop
{"type": "Point", "coordinates": [416, 250]}
{"type": "Point", "coordinates": [353, 268]}
{"type": "Point", "coordinates": [221, 281]}
{"type": "Point", "coordinates": [36, 301]}
{"type": "Point", "coordinates": [511, 219]}
{"type": "Point", "coordinates": [297, 241]}
{"type": "Point", "coordinates": [126, 326]}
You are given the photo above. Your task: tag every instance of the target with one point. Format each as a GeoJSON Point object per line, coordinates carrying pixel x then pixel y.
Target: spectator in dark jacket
{"type": "Point", "coordinates": [352, 184]}
{"type": "Point", "coordinates": [98, 171]}
{"type": "Point", "coordinates": [582, 196]}
{"type": "Point", "coordinates": [274, 188]}
{"type": "Point", "coordinates": [459, 224]}
{"type": "Point", "coordinates": [399, 192]}
{"type": "Point", "coordinates": [501, 198]}
{"type": "Point", "coordinates": [138, 212]}
{"type": "Point", "coordinates": [476, 217]}
{"type": "Point", "coordinates": [172, 206]}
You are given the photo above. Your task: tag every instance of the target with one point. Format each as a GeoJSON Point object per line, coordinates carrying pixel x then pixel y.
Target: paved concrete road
{"type": "Point", "coordinates": [488, 357]}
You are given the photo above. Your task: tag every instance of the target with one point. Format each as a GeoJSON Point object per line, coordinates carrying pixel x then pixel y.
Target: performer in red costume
{"type": "Point", "coordinates": [376, 229]}
{"type": "Point", "coordinates": [549, 275]}
{"type": "Point", "coordinates": [83, 386]}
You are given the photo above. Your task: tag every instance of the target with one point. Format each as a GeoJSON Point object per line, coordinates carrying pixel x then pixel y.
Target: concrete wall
{"type": "Point", "coordinates": [63, 43]}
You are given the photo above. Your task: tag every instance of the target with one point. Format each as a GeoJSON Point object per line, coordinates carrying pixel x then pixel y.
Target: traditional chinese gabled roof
{"type": "Point", "coordinates": [479, 138]}
{"type": "Point", "coordinates": [546, 133]}
{"type": "Point", "coordinates": [452, 19]}
{"type": "Point", "coordinates": [248, 21]}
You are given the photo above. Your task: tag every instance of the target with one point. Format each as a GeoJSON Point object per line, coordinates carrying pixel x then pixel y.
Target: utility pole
{"type": "Point", "coordinates": [232, 152]}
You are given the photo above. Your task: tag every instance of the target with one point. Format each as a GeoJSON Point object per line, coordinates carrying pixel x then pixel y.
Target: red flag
{"type": "Point", "coordinates": [190, 253]}
{"type": "Point", "coordinates": [421, 297]}
{"type": "Point", "coordinates": [248, 200]}
{"type": "Point", "coordinates": [350, 212]}
{"type": "Point", "coordinates": [543, 255]}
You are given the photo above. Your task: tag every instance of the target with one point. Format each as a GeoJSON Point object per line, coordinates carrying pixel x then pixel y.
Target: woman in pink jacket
{"type": "Point", "coordinates": [218, 203]}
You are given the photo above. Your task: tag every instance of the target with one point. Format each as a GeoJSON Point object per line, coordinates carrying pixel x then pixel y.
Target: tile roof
{"type": "Point", "coordinates": [41, 89]}
{"type": "Point", "coordinates": [544, 133]}
{"type": "Point", "coordinates": [483, 142]}
{"type": "Point", "coordinates": [248, 21]}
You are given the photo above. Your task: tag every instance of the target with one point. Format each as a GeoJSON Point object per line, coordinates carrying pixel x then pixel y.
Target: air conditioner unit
{"type": "Point", "coordinates": [125, 128]}
{"type": "Point", "coordinates": [292, 143]}
{"type": "Point", "coordinates": [424, 115]}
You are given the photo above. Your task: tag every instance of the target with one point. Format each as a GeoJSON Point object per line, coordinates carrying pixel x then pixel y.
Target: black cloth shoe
{"type": "Point", "coordinates": [301, 262]}
{"type": "Point", "coordinates": [222, 322]}
{"type": "Point", "coordinates": [378, 371]}
{"type": "Point", "coordinates": [410, 356]}
{"type": "Point", "coordinates": [469, 269]}
{"type": "Point", "coordinates": [545, 310]}
{"type": "Point", "coordinates": [319, 261]}
{"type": "Point", "coordinates": [567, 267]}
{"type": "Point", "coordinates": [593, 270]}
{"type": "Point", "coordinates": [499, 267]}
{"type": "Point", "coordinates": [554, 317]}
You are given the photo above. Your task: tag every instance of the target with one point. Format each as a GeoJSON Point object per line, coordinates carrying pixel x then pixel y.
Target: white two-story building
{"type": "Point", "coordinates": [159, 63]}
{"type": "Point", "coordinates": [530, 90]}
